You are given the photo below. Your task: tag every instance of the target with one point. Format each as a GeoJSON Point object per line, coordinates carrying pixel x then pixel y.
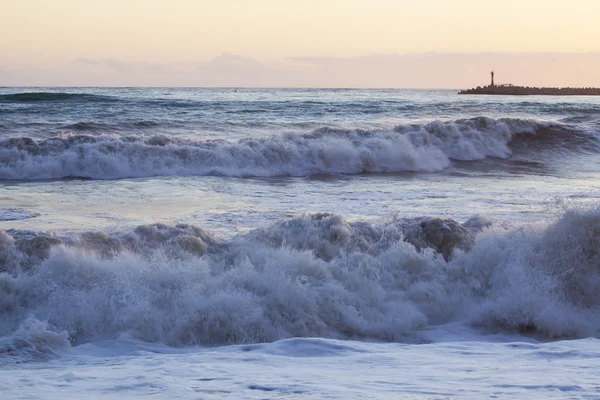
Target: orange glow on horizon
{"type": "Point", "coordinates": [42, 33]}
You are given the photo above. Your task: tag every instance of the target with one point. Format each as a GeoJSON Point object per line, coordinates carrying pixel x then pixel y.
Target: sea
{"type": "Point", "coordinates": [186, 243]}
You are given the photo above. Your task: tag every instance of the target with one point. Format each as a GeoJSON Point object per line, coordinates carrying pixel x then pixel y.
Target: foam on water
{"type": "Point", "coordinates": [15, 213]}
{"type": "Point", "coordinates": [316, 368]}
{"type": "Point", "coordinates": [323, 305]}
{"type": "Point", "coordinates": [426, 147]}
{"type": "Point", "coordinates": [316, 276]}
{"type": "Point", "coordinates": [33, 341]}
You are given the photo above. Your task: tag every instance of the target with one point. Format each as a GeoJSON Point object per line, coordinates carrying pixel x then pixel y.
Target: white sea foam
{"type": "Point", "coordinates": [428, 147]}
{"type": "Point", "coordinates": [316, 276]}
{"type": "Point", "coordinates": [33, 340]}
{"type": "Point", "coordinates": [15, 213]}
{"type": "Point", "coordinates": [317, 368]}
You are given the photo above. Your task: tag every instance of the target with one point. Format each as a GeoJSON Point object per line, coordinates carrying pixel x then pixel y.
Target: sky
{"type": "Point", "coordinates": [299, 43]}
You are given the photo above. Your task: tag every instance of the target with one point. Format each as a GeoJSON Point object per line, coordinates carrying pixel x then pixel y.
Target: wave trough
{"type": "Point", "coordinates": [29, 97]}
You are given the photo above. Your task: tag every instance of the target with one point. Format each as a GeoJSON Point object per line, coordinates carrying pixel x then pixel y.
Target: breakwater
{"type": "Point", "coordinates": [529, 91]}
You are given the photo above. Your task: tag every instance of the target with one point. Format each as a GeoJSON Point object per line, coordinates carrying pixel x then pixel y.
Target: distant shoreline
{"type": "Point", "coordinates": [531, 91]}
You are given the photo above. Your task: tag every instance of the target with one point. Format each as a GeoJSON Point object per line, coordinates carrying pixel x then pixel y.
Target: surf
{"type": "Point", "coordinates": [428, 147]}
{"type": "Point", "coordinates": [312, 276]}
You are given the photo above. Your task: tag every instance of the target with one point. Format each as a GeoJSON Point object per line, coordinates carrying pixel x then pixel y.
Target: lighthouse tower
{"type": "Point", "coordinates": [492, 84]}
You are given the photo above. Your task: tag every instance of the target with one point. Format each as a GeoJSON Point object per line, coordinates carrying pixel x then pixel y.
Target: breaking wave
{"type": "Point", "coordinates": [16, 213]}
{"type": "Point", "coordinates": [426, 147]}
{"type": "Point", "coordinates": [313, 276]}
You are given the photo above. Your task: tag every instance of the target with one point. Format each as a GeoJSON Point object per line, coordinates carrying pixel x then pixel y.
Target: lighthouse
{"type": "Point", "coordinates": [492, 73]}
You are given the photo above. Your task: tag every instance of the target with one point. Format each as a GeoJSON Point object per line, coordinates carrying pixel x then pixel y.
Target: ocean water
{"type": "Point", "coordinates": [279, 243]}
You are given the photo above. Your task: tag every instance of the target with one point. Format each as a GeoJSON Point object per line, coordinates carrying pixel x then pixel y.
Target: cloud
{"type": "Point", "coordinates": [412, 70]}
{"type": "Point", "coordinates": [5, 73]}
{"type": "Point", "coordinates": [456, 70]}
{"type": "Point", "coordinates": [6, 77]}
{"type": "Point", "coordinates": [229, 59]}
{"type": "Point", "coordinates": [123, 66]}
{"type": "Point", "coordinates": [85, 61]}
{"type": "Point", "coordinates": [118, 66]}
{"type": "Point", "coordinates": [235, 70]}
{"type": "Point", "coordinates": [225, 70]}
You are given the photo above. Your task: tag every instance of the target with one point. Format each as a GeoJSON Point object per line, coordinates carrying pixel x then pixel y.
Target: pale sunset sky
{"type": "Point", "coordinates": [299, 43]}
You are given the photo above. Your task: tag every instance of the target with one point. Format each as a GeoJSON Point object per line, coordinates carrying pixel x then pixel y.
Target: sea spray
{"type": "Point", "coordinates": [426, 147]}
{"type": "Point", "coordinates": [317, 275]}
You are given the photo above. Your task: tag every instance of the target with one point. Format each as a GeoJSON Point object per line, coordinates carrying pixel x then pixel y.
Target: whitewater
{"type": "Point", "coordinates": [285, 243]}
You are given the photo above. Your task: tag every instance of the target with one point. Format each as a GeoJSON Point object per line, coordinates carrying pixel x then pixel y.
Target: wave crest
{"type": "Point", "coordinates": [317, 275]}
{"type": "Point", "coordinates": [427, 148]}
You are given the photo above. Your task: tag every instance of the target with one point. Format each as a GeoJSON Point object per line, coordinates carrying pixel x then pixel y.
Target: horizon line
{"type": "Point", "coordinates": [223, 87]}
